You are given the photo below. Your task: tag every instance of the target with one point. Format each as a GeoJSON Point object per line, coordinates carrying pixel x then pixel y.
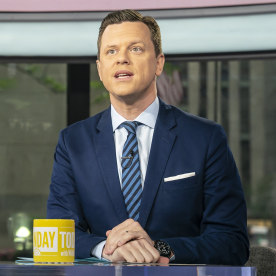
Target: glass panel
{"type": "Point", "coordinates": [99, 97]}
{"type": "Point", "coordinates": [241, 96]}
{"type": "Point", "coordinates": [32, 111]}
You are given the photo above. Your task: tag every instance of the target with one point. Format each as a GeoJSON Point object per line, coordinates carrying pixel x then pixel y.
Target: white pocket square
{"type": "Point", "coordinates": [180, 176]}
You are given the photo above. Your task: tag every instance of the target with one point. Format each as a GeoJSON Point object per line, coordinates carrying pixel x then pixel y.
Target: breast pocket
{"type": "Point", "coordinates": [182, 198]}
{"type": "Point", "coordinates": [182, 184]}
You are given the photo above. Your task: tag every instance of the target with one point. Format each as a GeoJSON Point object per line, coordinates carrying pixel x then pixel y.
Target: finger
{"type": "Point", "coordinates": [120, 235]}
{"type": "Point", "coordinates": [111, 243]}
{"type": "Point", "coordinates": [124, 237]}
{"type": "Point", "coordinates": [114, 235]}
{"type": "Point", "coordinates": [137, 251]}
{"type": "Point", "coordinates": [107, 232]}
{"type": "Point", "coordinates": [146, 252]}
{"type": "Point", "coordinates": [108, 257]}
{"type": "Point", "coordinates": [131, 232]}
{"type": "Point", "coordinates": [123, 254]}
{"type": "Point", "coordinates": [139, 232]}
{"type": "Point", "coordinates": [153, 251]}
{"type": "Point", "coordinates": [163, 260]}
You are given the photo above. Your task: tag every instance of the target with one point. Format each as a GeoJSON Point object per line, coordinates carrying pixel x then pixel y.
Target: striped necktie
{"type": "Point", "coordinates": [131, 174]}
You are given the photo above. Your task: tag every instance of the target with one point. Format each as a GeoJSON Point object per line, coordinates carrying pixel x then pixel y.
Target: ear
{"type": "Point", "coordinates": [99, 68]}
{"type": "Point", "coordinates": [160, 61]}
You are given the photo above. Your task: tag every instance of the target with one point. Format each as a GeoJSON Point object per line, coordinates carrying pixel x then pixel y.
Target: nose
{"type": "Point", "coordinates": [122, 57]}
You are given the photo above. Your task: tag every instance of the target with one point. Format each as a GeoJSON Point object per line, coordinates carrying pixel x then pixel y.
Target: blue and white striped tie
{"type": "Point", "coordinates": [131, 174]}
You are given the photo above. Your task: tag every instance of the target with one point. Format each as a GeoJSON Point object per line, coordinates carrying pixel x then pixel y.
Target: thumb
{"type": "Point", "coordinates": [163, 260]}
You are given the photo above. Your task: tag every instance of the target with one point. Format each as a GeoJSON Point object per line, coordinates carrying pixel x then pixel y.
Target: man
{"type": "Point", "coordinates": [144, 181]}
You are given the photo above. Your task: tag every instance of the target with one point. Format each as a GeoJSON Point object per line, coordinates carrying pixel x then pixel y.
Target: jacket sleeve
{"type": "Point", "coordinates": [64, 203]}
{"type": "Point", "coordinates": [223, 238]}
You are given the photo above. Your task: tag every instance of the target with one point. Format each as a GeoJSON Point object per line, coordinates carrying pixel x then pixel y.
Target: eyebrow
{"type": "Point", "coordinates": [132, 43]}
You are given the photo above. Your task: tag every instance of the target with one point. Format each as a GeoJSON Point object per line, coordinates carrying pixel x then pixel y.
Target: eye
{"type": "Point", "coordinates": [111, 52]}
{"type": "Point", "coordinates": [137, 49]}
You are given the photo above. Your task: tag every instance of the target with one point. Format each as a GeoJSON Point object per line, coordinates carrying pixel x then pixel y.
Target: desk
{"type": "Point", "coordinates": [123, 270]}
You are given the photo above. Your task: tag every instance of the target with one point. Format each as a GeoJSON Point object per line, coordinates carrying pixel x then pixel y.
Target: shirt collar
{"type": "Point", "coordinates": [147, 117]}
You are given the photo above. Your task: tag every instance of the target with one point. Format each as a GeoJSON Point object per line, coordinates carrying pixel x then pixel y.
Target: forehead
{"type": "Point", "coordinates": [124, 32]}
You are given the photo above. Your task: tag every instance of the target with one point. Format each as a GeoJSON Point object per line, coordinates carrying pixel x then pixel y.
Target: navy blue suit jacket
{"type": "Point", "coordinates": [202, 217]}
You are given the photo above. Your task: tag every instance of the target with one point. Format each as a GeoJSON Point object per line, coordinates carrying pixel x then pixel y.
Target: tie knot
{"type": "Point", "coordinates": [130, 126]}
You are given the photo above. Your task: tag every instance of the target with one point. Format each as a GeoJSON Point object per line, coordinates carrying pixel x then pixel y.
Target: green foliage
{"type": "Point", "coordinates": [102, 97]}
{"type": "Point", "coordinates": [53, 84]}
{"type": "Point", "coordinates": [96, 84]}
{"type": "Point", "coordinates": [39, 74]}
{"type": "Point", "coordinates": [32, 68]}
{"type": "Point", "coordinates": [169, 68]}
{"type": "Point", "coordinates": [7, 84]}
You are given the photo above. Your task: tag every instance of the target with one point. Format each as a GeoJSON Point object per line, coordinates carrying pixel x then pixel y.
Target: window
{"type": "Point", "coordinates": [99, 97]}
{"type": "Point", "coordinates": [241, 96]}
{"type": "Point", "coordinates": [32, 111]}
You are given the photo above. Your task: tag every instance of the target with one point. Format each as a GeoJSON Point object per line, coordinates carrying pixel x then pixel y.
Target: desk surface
{"type": "Point", "coordinates": [123, 270]}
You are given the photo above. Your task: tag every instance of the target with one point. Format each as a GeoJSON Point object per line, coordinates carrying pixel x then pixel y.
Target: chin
{"type": "Point", "coordinates": [123, 93]}
{"type": "Point", "coordinates": [126, 97]}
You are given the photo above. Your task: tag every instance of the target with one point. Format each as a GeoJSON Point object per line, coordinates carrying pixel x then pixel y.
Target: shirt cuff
{"type": "Point", "coordinates": [172, 258]}
{"type": "Point", "coordinates": [98, 249]}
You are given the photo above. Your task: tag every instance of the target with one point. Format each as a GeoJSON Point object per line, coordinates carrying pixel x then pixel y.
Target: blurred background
{"type": "Point", "coordinates": [220, 64]}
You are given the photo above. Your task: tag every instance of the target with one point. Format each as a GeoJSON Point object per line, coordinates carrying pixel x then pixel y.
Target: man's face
{"type": "Point", "coordinates": [128, 64]}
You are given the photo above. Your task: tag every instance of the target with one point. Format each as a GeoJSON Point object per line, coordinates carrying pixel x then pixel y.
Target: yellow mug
{"type": "Point", "coordinates": [54, 240]}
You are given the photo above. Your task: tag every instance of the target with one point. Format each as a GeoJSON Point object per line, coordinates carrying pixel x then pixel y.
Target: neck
{"type": "Point", "coordinates": [131, 109]}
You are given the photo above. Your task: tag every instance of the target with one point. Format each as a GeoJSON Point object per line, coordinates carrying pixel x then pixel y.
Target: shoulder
{"type": "Point", "coordinates": [191, 128]}
{"type": "Point", "coordinates": [191, 122]}
{"type": "Point", "coordinates": [87, 125]}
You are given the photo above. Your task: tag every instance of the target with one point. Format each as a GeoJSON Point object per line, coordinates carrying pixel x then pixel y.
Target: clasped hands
{"type": "Point", "coordinates": [129, 242]}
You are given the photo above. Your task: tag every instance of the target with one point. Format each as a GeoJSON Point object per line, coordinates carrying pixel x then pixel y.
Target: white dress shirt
{"type": "Point", "coordinates": [144, 134]}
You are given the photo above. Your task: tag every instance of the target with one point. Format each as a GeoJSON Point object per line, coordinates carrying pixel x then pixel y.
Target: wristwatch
{"type": "Point", "coordinates": [163, 248]}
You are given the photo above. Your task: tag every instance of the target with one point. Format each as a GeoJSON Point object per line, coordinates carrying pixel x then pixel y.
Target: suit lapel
{"type": "Point", "coordinates": [162, 143]}
{"type": "Point", "coordinates": [106, 155]}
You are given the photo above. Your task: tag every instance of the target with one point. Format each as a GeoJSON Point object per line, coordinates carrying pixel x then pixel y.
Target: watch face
{"type": "Point", "coordinates": [163, 248]}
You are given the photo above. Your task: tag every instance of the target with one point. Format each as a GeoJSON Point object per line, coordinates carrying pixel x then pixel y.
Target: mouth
{"type": "Point", "coordinates": [123, 74]}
